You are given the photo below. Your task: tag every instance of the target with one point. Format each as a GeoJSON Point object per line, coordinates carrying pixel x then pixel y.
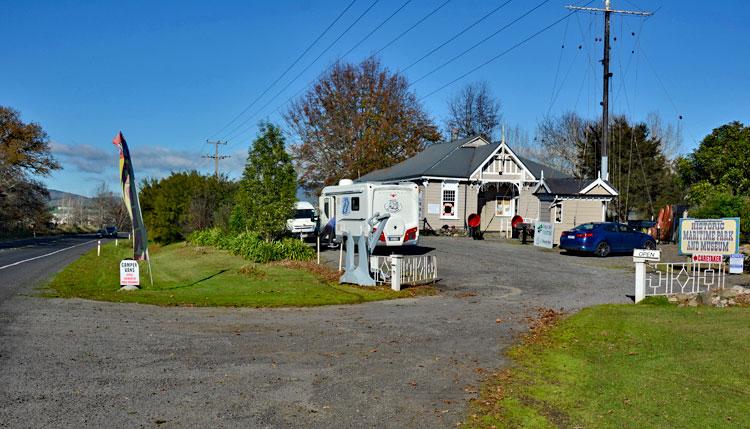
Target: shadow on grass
{"type": "Point", "coordinates": [198, 281]}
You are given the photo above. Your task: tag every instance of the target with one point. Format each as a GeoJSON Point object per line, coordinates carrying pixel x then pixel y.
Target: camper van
{"type": "Point", "coordinates": [304, 222]}
{"type": "Point", "coordinates": [347, 207]}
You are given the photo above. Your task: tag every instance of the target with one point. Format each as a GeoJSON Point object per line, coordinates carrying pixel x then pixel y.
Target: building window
{"type": "Point", "coordinates": [449, 201]}
{"type": "Point", "coordinates": [557, 211]}
{"type": "Point", "coordinates": [504, 207]}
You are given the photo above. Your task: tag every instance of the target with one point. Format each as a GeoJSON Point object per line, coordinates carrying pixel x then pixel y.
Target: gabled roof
{"type": "Point", "coordinates": [536, 169]}
{"type": "Point", "coordinates": [572, 186]}
{"type": "Point", "coordinates": [455, 159]}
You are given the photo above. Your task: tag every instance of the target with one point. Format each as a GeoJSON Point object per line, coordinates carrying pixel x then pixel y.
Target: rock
{"type": "Point", "coordinates": [729, 293]}
{"type": "Point", "coordinates": [682, 297]}
{"type": "Point", "coordinates": [731, 302]}
{"type": "Point", "coordinates": [740, 290]}
{"type": "Point", "coordinates": [673, 299]}
{"type": "Point", "coordinates": [692, 303]}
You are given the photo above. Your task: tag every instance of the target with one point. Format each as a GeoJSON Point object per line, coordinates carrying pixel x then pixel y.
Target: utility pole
{"type": "Point", "coordinates": [216, 156]}
{"type": "Point", "coordinates": [608, 11]}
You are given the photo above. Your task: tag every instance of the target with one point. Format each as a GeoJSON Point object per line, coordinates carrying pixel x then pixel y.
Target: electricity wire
{"type": "Point", "coordinates": [313, 43]}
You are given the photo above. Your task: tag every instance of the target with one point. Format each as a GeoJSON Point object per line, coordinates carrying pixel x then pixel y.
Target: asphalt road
{"type": "Point", "coordinates": [402, 363]}
{"type": "Point", "coordinates": [28, 262]}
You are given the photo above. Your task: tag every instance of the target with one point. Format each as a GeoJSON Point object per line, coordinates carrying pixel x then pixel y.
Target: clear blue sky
{"type": "Point", "coordinates": [171, 74]}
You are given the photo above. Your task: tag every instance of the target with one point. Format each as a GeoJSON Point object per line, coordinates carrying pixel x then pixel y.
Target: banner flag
{"type": "Point", "coordinates": [130, 196]}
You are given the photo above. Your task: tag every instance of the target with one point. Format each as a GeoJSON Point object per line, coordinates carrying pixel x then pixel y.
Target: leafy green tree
{"type": "Point", "coordinates": [267, 192]}
{"type": "Point", "coordinates": [724, 204]}
{"type": "Point", "coordinates": [721, 160]}
{"type": "Point", "coordinates": [184, 202]}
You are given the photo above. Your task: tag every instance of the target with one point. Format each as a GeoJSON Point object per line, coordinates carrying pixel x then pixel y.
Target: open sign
{"type": "Point", "coordinates": [129, 273]}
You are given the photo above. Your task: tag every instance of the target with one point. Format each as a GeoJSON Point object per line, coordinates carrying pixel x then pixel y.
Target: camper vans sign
{"type": "Point", "coordinates": [709, 236]}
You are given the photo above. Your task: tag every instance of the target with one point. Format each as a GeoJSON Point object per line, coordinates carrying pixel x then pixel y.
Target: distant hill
{"type": "Point", "coordinates": [55, 196]}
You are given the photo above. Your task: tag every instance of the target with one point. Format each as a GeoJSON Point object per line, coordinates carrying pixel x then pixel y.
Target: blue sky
{"type": "Point", "coordinates": [171, 74]}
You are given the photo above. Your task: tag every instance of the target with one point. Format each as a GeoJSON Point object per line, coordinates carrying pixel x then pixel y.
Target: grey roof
{"type": "Point", "coordinates": [447, 159]}
{"type": "Point", "coordinates": [567, 185]}
{"type": "Point", "coordinates": [536, 169]}
{"type": "Point", "coordinates": [450, 159]}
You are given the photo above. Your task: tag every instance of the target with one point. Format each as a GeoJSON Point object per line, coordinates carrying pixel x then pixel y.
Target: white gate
{"type": "Point", "coordinates": [415, 270]}
{"type": "Point", "coordinates": [684, 277]}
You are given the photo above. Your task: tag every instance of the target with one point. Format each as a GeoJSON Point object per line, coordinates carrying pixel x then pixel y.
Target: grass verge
{"type": "Point", "coordinates": [203, 276]}
{"type": "Point", "coordinates": [631, 366]}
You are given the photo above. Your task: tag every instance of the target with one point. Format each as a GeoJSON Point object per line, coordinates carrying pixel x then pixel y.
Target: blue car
{"type": "Point", "coordinates": [604, 238]}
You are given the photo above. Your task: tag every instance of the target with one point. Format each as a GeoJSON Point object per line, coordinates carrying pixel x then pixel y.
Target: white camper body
{"type": "Point", "coordinates": [303, 224]}
{"type": "Point", "coordinates": [350, 205]}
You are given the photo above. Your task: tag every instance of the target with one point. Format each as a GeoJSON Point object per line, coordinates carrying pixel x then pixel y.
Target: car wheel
{"type": "Point", "coordinates": [650, 245]}
{"type": "Point", "coordinates": [602, 249]}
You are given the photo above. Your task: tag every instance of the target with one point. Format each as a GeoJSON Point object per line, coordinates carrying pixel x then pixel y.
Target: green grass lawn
{"type": "Point", "coordinates": [190, 276]}
{"type": "Point", "coordinates": [637, 366]}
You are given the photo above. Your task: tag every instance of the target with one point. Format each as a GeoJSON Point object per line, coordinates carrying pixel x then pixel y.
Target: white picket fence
{"type": "Point", "coordinates": [415, 270]}
{"type": "Point", "coordinates": [671, 278]}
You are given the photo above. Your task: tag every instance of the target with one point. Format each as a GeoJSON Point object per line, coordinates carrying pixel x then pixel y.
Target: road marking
{"type": "Point", "coordinates": [45, 255]}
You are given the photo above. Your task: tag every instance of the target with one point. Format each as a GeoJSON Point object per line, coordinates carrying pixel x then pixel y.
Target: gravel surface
{"type": "Point", "coordinates": [403, 363]}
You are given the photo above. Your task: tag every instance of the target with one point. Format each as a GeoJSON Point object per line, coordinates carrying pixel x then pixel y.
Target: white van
{"type": "Point", "coordinates": [347, 207]}
{"type": "Point", "coordinates": [304, 222]}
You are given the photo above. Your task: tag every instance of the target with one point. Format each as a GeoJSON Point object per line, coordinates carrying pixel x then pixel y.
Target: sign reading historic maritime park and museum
{"type": "Point", "coordinates": [709, 236]}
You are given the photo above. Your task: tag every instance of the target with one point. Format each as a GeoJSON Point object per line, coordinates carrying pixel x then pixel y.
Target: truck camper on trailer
{"type": "Point", "coordinates": [347, 206]}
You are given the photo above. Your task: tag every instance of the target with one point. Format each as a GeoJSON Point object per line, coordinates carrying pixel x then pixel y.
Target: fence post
{"type": "Point", "coordinates": [396, 264]}
{"type": "Point", "coordinates": [317, 246]}
{"type": "Point", "coordinates": [640, 279]}
{"type": "Point", "coordinates": [98, 247]}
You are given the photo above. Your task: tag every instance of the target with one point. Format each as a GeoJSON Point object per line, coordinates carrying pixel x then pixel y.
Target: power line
{"type": "Point", "coordinates": [412, 27]}
{"type": "Point", "coordinates": [375, 29]}
{"type": "Point", "coordinates": [287, 69]}
{"type": "Point", "coordinates": [303, 70]}
{"type": "Point", "coordinates": [503, 28]}
{"type": "Point", "coordinates": [501, 54]}
{"type": "Point", "coordinates": [455, 36]}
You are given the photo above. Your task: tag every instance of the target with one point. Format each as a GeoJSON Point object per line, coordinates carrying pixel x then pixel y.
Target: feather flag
{"type": "Point", "coordinates": [130, 196]}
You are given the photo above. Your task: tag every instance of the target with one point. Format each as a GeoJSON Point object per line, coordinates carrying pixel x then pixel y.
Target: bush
{"type": "Point", "coordinates": [724, 204]}
{"type": "Point", "coordinates": [252, 247]}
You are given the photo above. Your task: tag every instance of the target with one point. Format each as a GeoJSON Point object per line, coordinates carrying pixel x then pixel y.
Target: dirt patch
{"type": "Point", "coordinates": [327, 274]}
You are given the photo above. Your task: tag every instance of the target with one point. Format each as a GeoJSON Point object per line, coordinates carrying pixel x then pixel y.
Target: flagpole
{"type": "Point", "coordinates": [151, 276]}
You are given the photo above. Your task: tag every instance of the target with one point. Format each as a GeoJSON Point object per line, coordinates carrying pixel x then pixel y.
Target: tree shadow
{"type": "Point", "coordinates": [199, 281]}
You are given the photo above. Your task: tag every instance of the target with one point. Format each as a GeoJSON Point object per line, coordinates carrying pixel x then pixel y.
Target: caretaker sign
{"type": "Point", "coordinates": [129, 275]}
{"type": "Point", "coordinates": [709, 236]}
{"type": "Point", "coordinates": [543, 233]}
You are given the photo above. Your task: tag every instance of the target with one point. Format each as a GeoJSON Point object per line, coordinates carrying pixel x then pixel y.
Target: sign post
{"type": "Point", "coordinates": [129, 275]}
{"type": "Point", "coordinates": [544, 234]}
{"type": "Point", "coordinates": [640, 257]}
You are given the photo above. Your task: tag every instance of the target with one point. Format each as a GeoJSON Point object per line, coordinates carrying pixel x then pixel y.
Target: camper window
{"type": "Point", "coordinates": [355, 204]}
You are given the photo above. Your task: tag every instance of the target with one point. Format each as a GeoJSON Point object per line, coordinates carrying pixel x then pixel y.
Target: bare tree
{"type": "Point", "coordinates": [669, 135]}
{"type": "Point", "coordinates": [474, 110]}
{"type": "Point", "coordinates": [559, 140]}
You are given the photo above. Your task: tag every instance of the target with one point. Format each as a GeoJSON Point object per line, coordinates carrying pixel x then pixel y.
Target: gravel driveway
{"type": "Point", "coordinates": [403, 363]}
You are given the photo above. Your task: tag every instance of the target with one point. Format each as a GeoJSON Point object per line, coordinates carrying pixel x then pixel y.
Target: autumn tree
{"type": "Point", "coordinates": [24, 153]}
{"type": "Point", "coordinates": [474, 110]}
{"type": "Point", "coordinates": [355, 119]}
{"type": "Point", "coordinates": [268, 188]}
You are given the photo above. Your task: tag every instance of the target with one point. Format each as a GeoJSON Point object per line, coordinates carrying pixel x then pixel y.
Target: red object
{"type": "Point", "coordinates": [411, 234]}
{"type": "Point", "coordinates": [382, 235]}
{"type": "Point", "coordinates": [713, 259]}
{"type": "Point", "coordinates": [585, 235]}
{"type": "Point", "coordinates": [517, 219]}
{"type": "Point", "coordinates": [474, 220]}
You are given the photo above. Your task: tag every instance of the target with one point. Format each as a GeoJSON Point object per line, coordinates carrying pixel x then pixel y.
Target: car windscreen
{"type": "Point", "coordinates": [585, 227]}
{"type": "Point", "coordinates": [304, 214]}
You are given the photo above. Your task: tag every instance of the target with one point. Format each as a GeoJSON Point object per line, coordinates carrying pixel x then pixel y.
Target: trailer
{"type": "Point", "coordinates": [346, 207]}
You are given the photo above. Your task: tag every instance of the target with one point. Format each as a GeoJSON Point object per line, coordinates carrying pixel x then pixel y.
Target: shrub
{"type": "Point", "coordinates": [251, 247]}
